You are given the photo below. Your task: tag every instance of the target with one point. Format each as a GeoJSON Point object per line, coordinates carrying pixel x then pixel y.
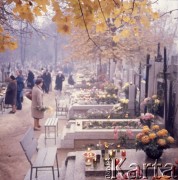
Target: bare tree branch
{"type": "Point", "coordinates": [102, 13]}
{"type": "Point", "coordinates": [117, 4]}
{"type": "Point", "coordinates": [154, 2]}
{"type": "Point", "coordinates": [133, 5]}
{"type": "Point", "coordinates": [169, 12]}
{"type": "Point", "coordinates": [89, 37]}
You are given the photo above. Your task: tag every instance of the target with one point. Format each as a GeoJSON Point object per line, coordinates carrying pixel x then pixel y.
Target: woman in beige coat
{"type": "Point", "coordinates": [37, 103]}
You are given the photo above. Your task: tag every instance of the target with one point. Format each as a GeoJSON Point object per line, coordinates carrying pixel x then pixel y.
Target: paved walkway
{"type": "Point", "coordinates": [13, 163]}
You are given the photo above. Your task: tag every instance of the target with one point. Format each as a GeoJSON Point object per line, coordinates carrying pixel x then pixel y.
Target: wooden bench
{"type": "Point", "coordinates": [45, 157]}
{"type": "Point", "coordinates": [51, 123]}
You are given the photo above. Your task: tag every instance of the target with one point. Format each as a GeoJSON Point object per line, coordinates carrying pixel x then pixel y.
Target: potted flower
{"type": "Point", "coordinates": [125, 89]}
{"type": "Point", "coordinates": [147, 119]}
{"type": "Point", "coordinates": [116, 111]}
{"type": "Point", "coordinates": [123, 136]}
{"type": "Point", "coordinates": [111, 88]}
{"type": "Point", "coordinates": [124, 104]}
{"type": "Point", "coordinates": [151, 103]}
{"type": "Point", "coordinates": [153, 141]}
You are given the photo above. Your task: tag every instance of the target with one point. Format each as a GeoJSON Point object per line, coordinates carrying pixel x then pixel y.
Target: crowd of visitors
{"type": "Point", "coordinates": [36, 84]}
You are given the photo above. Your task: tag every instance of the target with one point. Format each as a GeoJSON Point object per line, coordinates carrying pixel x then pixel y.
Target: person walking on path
{"type": "Point", "coordinates": [30, 79]}
{"type": "Point", "coordinates": [37, 103]}
{"type": "Point", "coordinates": [20, 87]}
{"type": "Point", "coordinates": [47, 80]}
{"type": "Point", "coordinates": [58, 83]}
{"type": "Point", "coordinates": [11, 93]}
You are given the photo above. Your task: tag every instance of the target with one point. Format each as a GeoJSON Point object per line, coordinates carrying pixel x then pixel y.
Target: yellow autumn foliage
{"type": "Point", "coordinates": [87, 14]}
{"type": "Point", "coordinates": [116, 39]}
{"type": "Point", "coordinates": [6, 42]}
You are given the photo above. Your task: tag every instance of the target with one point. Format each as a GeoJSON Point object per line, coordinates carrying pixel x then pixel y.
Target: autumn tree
{"type": "Point", "coordinates": [81, 13]}
{"type": "Point", "coordinates": [132, 48]}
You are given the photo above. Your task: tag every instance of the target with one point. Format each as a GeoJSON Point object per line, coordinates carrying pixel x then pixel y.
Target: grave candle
{"type": "Point", "coordinates": [114, 153]}
{"type": "Point", "coordinates": [94, 162]}
{"type": "Point", "coordinates": [118, 148]}
{"type": "Point", "coordinates": [88, 162]}
{"type": "Point", "coordinates": [103, 152]}
{"type": "Point", "coordinates": [111, 154]}
{"type": "Point", "coordinates": [98, 157]}
{"type": "Point", "coordinates": [105, 161]}
{"type": "Point", "coordinates": [123, 153]}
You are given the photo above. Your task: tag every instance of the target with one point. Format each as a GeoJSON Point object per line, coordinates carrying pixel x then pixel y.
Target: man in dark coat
{"type": "Point", "coordinates": [20, 87]}
{"type": "Point", "coordinates": [59, 81]}
{"type": "Point", "coordinates": [47, 80]}
{"type": "Point", "coordinates": [11, 93]}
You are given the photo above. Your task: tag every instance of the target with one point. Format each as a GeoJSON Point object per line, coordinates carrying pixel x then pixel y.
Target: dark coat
{"type": "Point", "coordinates": [11, 93]}
{"type": "Point", "coordinates": [47, 78]}
{"type": "Point", "coordinates": [71, 80]}
{"type": "Point", "coordinates": [30, 80]}
{"type": "Point", "coordinates": [20, 83]}
{"type": "Point", "coordinates": [59, 81]}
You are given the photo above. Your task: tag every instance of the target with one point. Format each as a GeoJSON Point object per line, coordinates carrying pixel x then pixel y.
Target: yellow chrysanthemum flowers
{"type": "Point", "coordinates": [145, 127]}
{"type": "Point", "coordinates": [152, 135]}
{"type": "Point", "coordinates": [162, 132]}
{"type": "Point", "coordinates": [154, 96]}
{"type": "Point", "coordinates": [157, 101]}
{"type": "Point", "coordinates": [155, 127]}
{"type": "Point", "coordinates": [153, 138]}
{"type": "Point", "coordinates": [170, 139]}
{"type": "Point", "coordinates": [139, 136]}
{"type": "Point", "coordinates": [145, 139]}
{"type": "Point", "coordinates": [161, 142]}
{"type": "Point", "coordinates": [146, 130]}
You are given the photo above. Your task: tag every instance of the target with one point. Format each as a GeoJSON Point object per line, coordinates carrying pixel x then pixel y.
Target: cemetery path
{"type": "Point", "coordinates": [13, 163]}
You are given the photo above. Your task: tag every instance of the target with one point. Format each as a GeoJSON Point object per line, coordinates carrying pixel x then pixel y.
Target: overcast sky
{"type": "Point", "coordinates": [166, 4]}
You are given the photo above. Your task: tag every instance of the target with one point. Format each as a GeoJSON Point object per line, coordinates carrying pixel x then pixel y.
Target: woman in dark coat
{"type": "Point", "coordinates": [71, 80]}
{"type": "Point", "coordinates": [11, 93]}
{"type": "Point", "coordinates": [30, 79]}
{"type": "Point", "coordinates": [58, 83]}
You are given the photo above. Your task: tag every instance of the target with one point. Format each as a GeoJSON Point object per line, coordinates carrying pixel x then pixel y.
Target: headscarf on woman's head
{"type": "Point", "coordinates": [38, 81]}
{"type": "Point", "coordinates": [12, 77]}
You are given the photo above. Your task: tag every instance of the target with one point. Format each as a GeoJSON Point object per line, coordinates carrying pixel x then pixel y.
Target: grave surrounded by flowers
{"type": "Point", "coordinates": [111, 124]}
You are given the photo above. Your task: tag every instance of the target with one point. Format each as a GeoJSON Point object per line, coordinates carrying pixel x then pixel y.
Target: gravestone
{"type": "Point", "coordinates": [155, 68]}
{"type": "Point", "coordinates": [125, 76]}
{"type": "Point", "coordinates": [112, 69]}
{"type": "Point", "coordinates": [174, 73]}
{"type": "Point", "coordinates": [131, 104]}
{"type": "Point", "coordinates": [142, 90]}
